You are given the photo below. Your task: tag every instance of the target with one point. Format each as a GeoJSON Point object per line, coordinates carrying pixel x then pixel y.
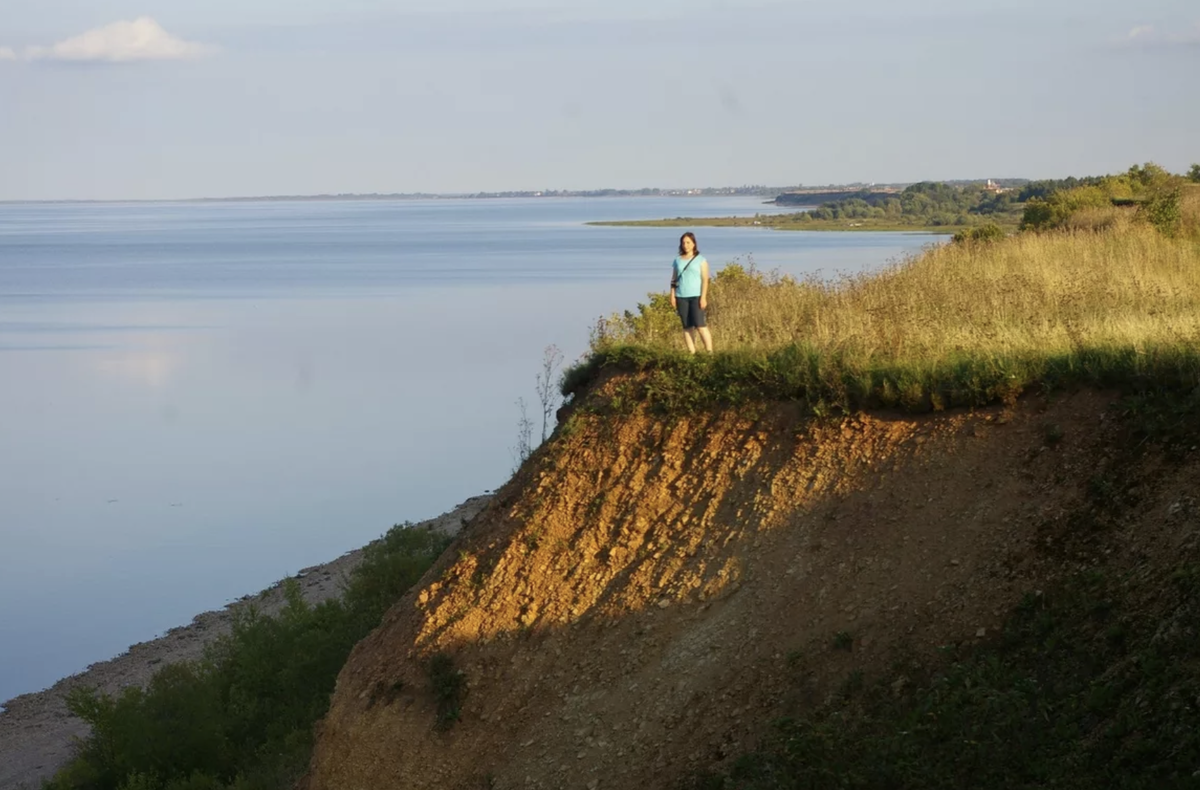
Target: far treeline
{"type": "Point", "coordinates": [1037, 205]}
{"type": "Point", "coordinates": [940, 206]}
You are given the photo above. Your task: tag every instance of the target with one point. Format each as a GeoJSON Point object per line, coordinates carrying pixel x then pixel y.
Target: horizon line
{"type": "Point", "coordinates": [510, 193]}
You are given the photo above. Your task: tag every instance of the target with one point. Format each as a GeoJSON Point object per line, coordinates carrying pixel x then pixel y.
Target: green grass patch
{"type": "Point", "coordinates": [827, 382]}
{"type": "Point", "coordinates": [449, 687]}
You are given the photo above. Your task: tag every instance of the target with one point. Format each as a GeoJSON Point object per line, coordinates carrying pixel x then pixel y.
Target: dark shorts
{"type": "Point", "coordinates": [689, 311]}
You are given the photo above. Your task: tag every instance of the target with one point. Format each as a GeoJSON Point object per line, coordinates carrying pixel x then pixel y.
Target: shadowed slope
{"type": "Point", "coordinates": [632, 606]}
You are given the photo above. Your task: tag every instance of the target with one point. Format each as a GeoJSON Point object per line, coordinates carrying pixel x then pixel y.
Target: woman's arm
{"type": "Point", "coordinates": [672, 285]}
{"type": "Point", "coordinates": [703, 284]}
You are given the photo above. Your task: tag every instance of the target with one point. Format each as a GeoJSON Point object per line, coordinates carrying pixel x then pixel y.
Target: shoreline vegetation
{"type": "Point", "coordinates": [785, 222]}
{"type": "Point", "coordinates": [37, 730]}
{"type": "Point", "coordinates": [925, 207]}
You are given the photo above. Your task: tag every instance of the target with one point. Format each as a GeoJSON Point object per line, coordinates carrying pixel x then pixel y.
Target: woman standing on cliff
{"type": "Point", "coordinates": [689, 291]}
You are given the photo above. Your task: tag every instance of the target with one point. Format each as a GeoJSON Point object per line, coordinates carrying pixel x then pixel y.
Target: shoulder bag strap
{"type": "Point", "coordinates": [675, 280]}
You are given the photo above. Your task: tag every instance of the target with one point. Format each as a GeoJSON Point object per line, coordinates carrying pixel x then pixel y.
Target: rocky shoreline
{"type": "Point", "coordinates": [37, 732]}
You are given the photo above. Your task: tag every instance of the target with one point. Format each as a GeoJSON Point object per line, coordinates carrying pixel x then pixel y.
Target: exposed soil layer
{"type": "Point", "coordinates": [632, 606]}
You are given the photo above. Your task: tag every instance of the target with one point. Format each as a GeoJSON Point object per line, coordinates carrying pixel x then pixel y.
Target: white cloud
{"type": "Point", "coordinates": [121, 42]}
{"type": "Point", "coordinates": [1151, 36]}
{"type": "Point", "coordinates": [7, 53]}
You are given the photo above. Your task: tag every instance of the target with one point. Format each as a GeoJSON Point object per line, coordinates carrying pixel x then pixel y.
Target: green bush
{"type": "Point", "coordinates": [1149, 186]}
{"type": "Point", "coordinates": [1164, 211]}
{"type": "Point", "coordinates": [1054, 211]}
{"type": "Point", "coordinates": [196, 781]}
{"type": "Point", "coordinates": [140, 781]}
{"type": "Point", "coordinates": [984, 234]}
{"type": "Point", "coordinates": [241, 719]}
{"type": "Point", "coordinates": [1194, 174]}
{"type": "Point", "coordinates": [449, 687]}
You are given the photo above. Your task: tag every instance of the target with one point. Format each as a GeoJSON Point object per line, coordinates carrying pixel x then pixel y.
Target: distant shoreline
{"type": "Point", "coordinates": [766, 196]}
{"type": "Point", "coordinates": [782, 196]}
{"type": "Point", "coordinates": [772, 222]}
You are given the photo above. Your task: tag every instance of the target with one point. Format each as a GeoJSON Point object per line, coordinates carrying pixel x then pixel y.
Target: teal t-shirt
{"type": "Point", "coordinates": [690, 278]}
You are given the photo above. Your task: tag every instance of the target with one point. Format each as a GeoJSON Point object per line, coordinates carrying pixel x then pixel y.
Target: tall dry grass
{"type": "Point", "coordinates": [959, 323]}
{"type": "Point", "coordinates": [1030, 293]}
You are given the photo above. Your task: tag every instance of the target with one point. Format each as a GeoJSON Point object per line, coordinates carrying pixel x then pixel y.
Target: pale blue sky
{"type": "Point", "coordinates": [314, 96]}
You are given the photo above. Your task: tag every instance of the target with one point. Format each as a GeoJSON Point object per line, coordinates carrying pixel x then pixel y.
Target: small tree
{"type": "Point", "coordinates": [1194, 174]}
{"type": "Point", "coordinates": [1149, 177]}
{"type": "Point", "coordinates": [1038, 215]}
{"type": "Point", "coordinates": [524, 446]}
{"type": "Point", "coordinates": [547, 386]}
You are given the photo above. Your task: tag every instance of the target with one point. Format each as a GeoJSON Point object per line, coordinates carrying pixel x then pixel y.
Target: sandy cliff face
{"type": "Point", "coordinates": [632, 606]}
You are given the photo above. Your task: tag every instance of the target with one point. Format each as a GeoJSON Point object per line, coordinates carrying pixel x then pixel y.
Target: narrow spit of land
{"type": "Point", "coordinates": [774, 222]}
{"type": "Point", "coordinates": [927, 207]}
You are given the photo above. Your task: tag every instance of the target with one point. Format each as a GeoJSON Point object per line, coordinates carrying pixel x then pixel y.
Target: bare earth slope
{"type": "Point", "coordinates": [37, 731]}
{"type": "Point", "coordinates": [630, 607]}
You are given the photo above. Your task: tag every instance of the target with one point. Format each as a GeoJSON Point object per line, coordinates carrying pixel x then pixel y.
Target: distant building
{"type": "Point", "coordinates": [995, 188]}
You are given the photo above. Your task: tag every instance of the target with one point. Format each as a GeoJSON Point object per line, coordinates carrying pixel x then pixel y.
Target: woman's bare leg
{"type": "Point", "coordinates": [706, 336]}
{"type": "Point", "coordinates": [691, 344]}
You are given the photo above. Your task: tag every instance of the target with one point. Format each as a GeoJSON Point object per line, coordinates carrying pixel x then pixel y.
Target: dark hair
{"type": "Point", "coordinates": [692, 236]}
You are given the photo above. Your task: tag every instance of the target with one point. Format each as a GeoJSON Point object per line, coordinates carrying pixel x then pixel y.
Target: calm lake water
{"type": "Point", "coordinates": [198, 399]}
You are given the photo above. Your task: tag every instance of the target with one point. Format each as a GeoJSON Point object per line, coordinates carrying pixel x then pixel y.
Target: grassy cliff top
{"type": "Point", "coordinates": [960, 324]}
